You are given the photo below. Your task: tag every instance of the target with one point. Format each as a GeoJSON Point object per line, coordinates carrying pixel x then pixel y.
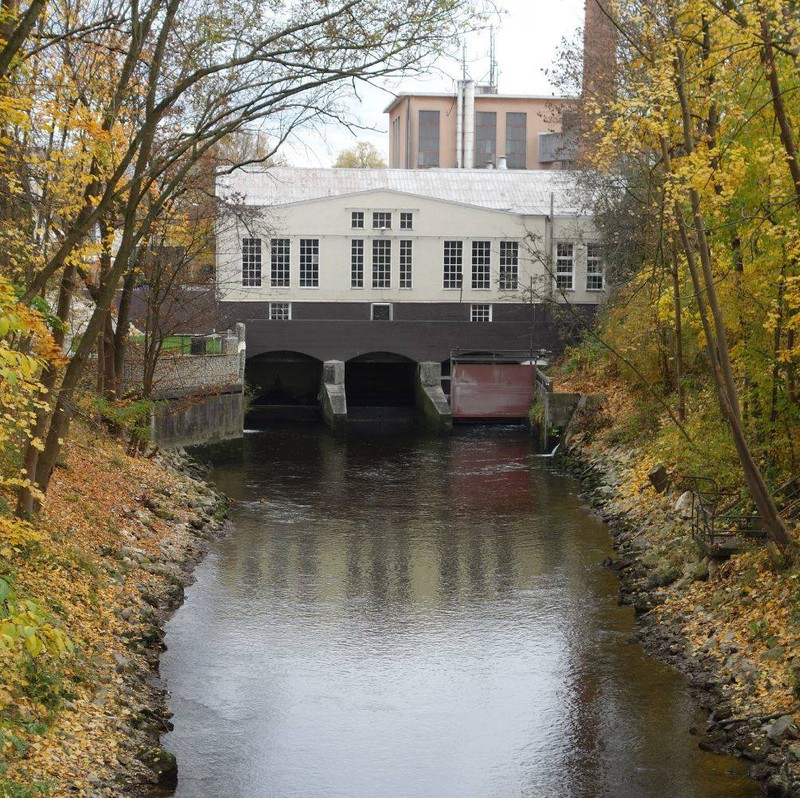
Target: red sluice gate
{"type": "Point", "coordinates": [489, 391]}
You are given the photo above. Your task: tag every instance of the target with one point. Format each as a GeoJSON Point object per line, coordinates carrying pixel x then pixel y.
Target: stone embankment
{"type": "Point", "coordinates": [196, 513]}
{"type": "Point", "coordinates": [121, 537]}
{"type": "Point", "coordinates": [730, 626]}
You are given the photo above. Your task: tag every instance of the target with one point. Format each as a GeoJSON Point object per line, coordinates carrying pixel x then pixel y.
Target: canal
{"type": "Point", "coordinates": [399, 616]}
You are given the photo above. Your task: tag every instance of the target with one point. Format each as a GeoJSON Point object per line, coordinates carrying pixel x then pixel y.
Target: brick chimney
{"type": "Point", "coordinates": [599, 49]}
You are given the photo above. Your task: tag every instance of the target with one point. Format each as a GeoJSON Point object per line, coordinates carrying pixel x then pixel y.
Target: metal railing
{"type": "Point", "coordinates": [723, 522]}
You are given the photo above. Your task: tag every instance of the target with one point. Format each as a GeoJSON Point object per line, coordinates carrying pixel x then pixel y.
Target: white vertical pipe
{"type": "Point", "coordinates": [469, 124]}
{"type": "Point", "coordinates": [460, 124]}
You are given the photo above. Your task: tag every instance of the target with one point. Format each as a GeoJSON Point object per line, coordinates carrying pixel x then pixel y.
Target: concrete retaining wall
{"type": "Point", "coordinates": [200, 398]}
{"type": "Point", "coordinates": [191, 420]}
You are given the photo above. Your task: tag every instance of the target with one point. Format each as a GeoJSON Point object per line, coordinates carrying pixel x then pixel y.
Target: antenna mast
{"type": "Point", "coordinates": [492, 63]}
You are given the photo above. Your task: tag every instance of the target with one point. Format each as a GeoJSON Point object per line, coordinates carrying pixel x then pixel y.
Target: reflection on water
{"type": "Point", "coordinates": [401, 616]}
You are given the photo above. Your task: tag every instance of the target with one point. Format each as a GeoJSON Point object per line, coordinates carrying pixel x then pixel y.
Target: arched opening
{"type": "Point", "coordinates": [380, 379]}
{"type": "Point", "coordinates": [283, 384]}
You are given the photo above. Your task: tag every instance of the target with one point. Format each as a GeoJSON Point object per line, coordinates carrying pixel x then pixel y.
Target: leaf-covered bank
{"type": "Point", "coordinates": [106, 564]}
{"type": "Point", "coordinates": [732, 626]}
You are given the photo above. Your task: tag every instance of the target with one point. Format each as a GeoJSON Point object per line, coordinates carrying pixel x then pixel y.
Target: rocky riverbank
{"type": "Point", "coordinates": [118, 543]}
{"type": "Point", "coordinates": [731, 626]}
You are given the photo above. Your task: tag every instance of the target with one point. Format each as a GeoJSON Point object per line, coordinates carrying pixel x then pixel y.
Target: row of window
{"type": "Point", "coordinates": [379, 311]}
{"type": "Point", "coordinates": [565, 267]}
{"type": "Point", "coordinates": [485, 139]}
{"type": "Point", "coordinates": [381, 264]}
{"type": "Point", "coordinates": [382, 220]}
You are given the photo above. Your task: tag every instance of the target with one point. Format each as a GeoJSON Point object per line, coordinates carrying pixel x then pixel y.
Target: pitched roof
{"type": "Point", "coordinates": [523, 192]}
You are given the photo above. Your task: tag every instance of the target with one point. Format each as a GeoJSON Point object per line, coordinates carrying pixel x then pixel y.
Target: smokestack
{"type": "Point", "coordinates": [469, 124]}
{"type": "Point", "coordinates": [599, 49]}
{"type": "Point", "coordinates": [460, 125]}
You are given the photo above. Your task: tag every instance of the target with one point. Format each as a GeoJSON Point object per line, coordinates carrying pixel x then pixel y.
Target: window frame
{"type": "Point", "coordinates": [273, 307]}
{"type": "Point", "coordinates": [428, 156]}
{"type": "Point", "coordinates": [560, 261]}
{"type": "Point", "coordinates": [406, 261]}
{"type": "Point", "coordinates": [355, 217]}
{"type": "Point", "coordinates": [252, 271]}
{"type": "Point", "coordinates": [406, 216]}
{"type": "Point", "coordinates": [599, 266]}
{"type": "Point", "coordinates": [356, 268]}
{"type": "Point", "coordinates": [373, 305]}
{"type": "Point", "coordinates": [387, 216]}
{"type": "Point", "coordinates": [476, 308]}
{"type": "Point", "coordinates": [457, 247]}
{"type": "Point", "coordinates": [481, 265]}
{"type": "Point", "coordinates": [513, 159]}
{"type": "Point", "coordinates": [280, 274]}
{"type": "Point", "coordinates": [381, 270]}
{"type": "Point", "coordinates": [482, 129]}
{"type": "Point", "coordinates": [504, 283]}
{"type": "Point", "coordinates": [312, 265]}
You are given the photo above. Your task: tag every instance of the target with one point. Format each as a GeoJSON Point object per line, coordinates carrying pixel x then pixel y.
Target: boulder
{"type": "Point", "coordinates": [781, 729]}
{"type": "Point", "coordinates": [683, 507]}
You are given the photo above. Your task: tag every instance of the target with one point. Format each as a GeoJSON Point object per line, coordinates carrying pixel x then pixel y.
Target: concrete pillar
{"type": "Point", "coordinates": [333, 396]}
{"type": "Point", "coordinates": [430, 399]}
{"type": "Point", "coordinates": [242, 347]}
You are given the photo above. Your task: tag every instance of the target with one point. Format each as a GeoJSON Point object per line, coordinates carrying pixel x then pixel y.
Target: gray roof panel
{"type": "Point", "coordinates": [521, 192]}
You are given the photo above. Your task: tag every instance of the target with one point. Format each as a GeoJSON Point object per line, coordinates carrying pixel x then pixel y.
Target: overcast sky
{"type": "Point", "coordinates": [527, 34]}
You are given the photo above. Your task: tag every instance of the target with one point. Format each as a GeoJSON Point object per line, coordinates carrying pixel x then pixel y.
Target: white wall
{"type": "Point", "coordinates": [434, 221]}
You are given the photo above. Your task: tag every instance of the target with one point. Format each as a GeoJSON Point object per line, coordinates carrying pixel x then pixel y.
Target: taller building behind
{"type": "Point", "coordinates": [477, 128]}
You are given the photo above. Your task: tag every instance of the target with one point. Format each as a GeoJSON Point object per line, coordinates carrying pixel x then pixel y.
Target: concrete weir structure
{"type": "Point", "coordinates": [357, 285]}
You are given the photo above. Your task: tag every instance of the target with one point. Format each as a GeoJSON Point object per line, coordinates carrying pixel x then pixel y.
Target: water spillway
{"type": "Point", "coordinates": [396, 615]}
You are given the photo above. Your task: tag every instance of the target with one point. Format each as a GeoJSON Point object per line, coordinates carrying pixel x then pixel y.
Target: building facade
{"type": "Point", "coordinates": [476, 128]}
{"type": "Point", "coordinates": [338, 263]}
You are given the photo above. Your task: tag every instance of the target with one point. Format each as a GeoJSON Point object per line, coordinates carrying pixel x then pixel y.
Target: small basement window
{"type": "Point", "coordinates": [381, 311]}
{"type": "Point", "coordinates": [480, 312]}
{"type": "Point", "coordinates": [280, 311]}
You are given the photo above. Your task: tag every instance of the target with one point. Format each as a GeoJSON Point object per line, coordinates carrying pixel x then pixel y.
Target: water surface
{"type": "Point", "coordinates": [397, 616]}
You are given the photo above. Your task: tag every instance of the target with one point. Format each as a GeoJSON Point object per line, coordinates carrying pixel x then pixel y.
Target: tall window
{"type": "Point", "coordinates": [453, 261]}
{"type": "Point", "coordinates": [565, 266]}
{"type": "Point", "coordinates": [251, 261]}
{"type": "Point", "coordinates": [509, 265]}
{"type": "Point", "coordinates": [357, 220]}
{"type": "Point", "coordinates": [381, 263]}
{"type": "Point", "coordinates": [485, 138]}
{"type": "Point", "coordinates": [481, 264]}
{"type": "Point", "coordinates": [309, 262]}
{"type": "Point", "coordinates": [280, 311]}
{"type": "Point", "coordinates": [482, 312]}
{"type": "Point", "coordinates": [428, 154]}
{"type": "Point", "coordinates": [395, 142]}
{"type": "Point", "coordinates": [405, 263]}
{"type": "Point", "coordinates": [357, 263]}
{"type": "Point", "coordinates": [406, 220]}
{"type": "Point", "coordinates": [595, 273]}
{"type": "Point", "coordinates": [279, 251]}
{"type": "Point", "coordinates": [382, 220]}
{"type": "Point", "coordinates": [516, 140]}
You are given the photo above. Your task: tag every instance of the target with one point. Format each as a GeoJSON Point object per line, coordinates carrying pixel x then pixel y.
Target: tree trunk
{"type": "Point", "coordinates": [718, 339]}
{"type": "Point", "coordinates": [676, 302]}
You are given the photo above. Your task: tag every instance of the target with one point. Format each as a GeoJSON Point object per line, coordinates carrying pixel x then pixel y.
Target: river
{"type": "Point", "coordinates": [400, 616]}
